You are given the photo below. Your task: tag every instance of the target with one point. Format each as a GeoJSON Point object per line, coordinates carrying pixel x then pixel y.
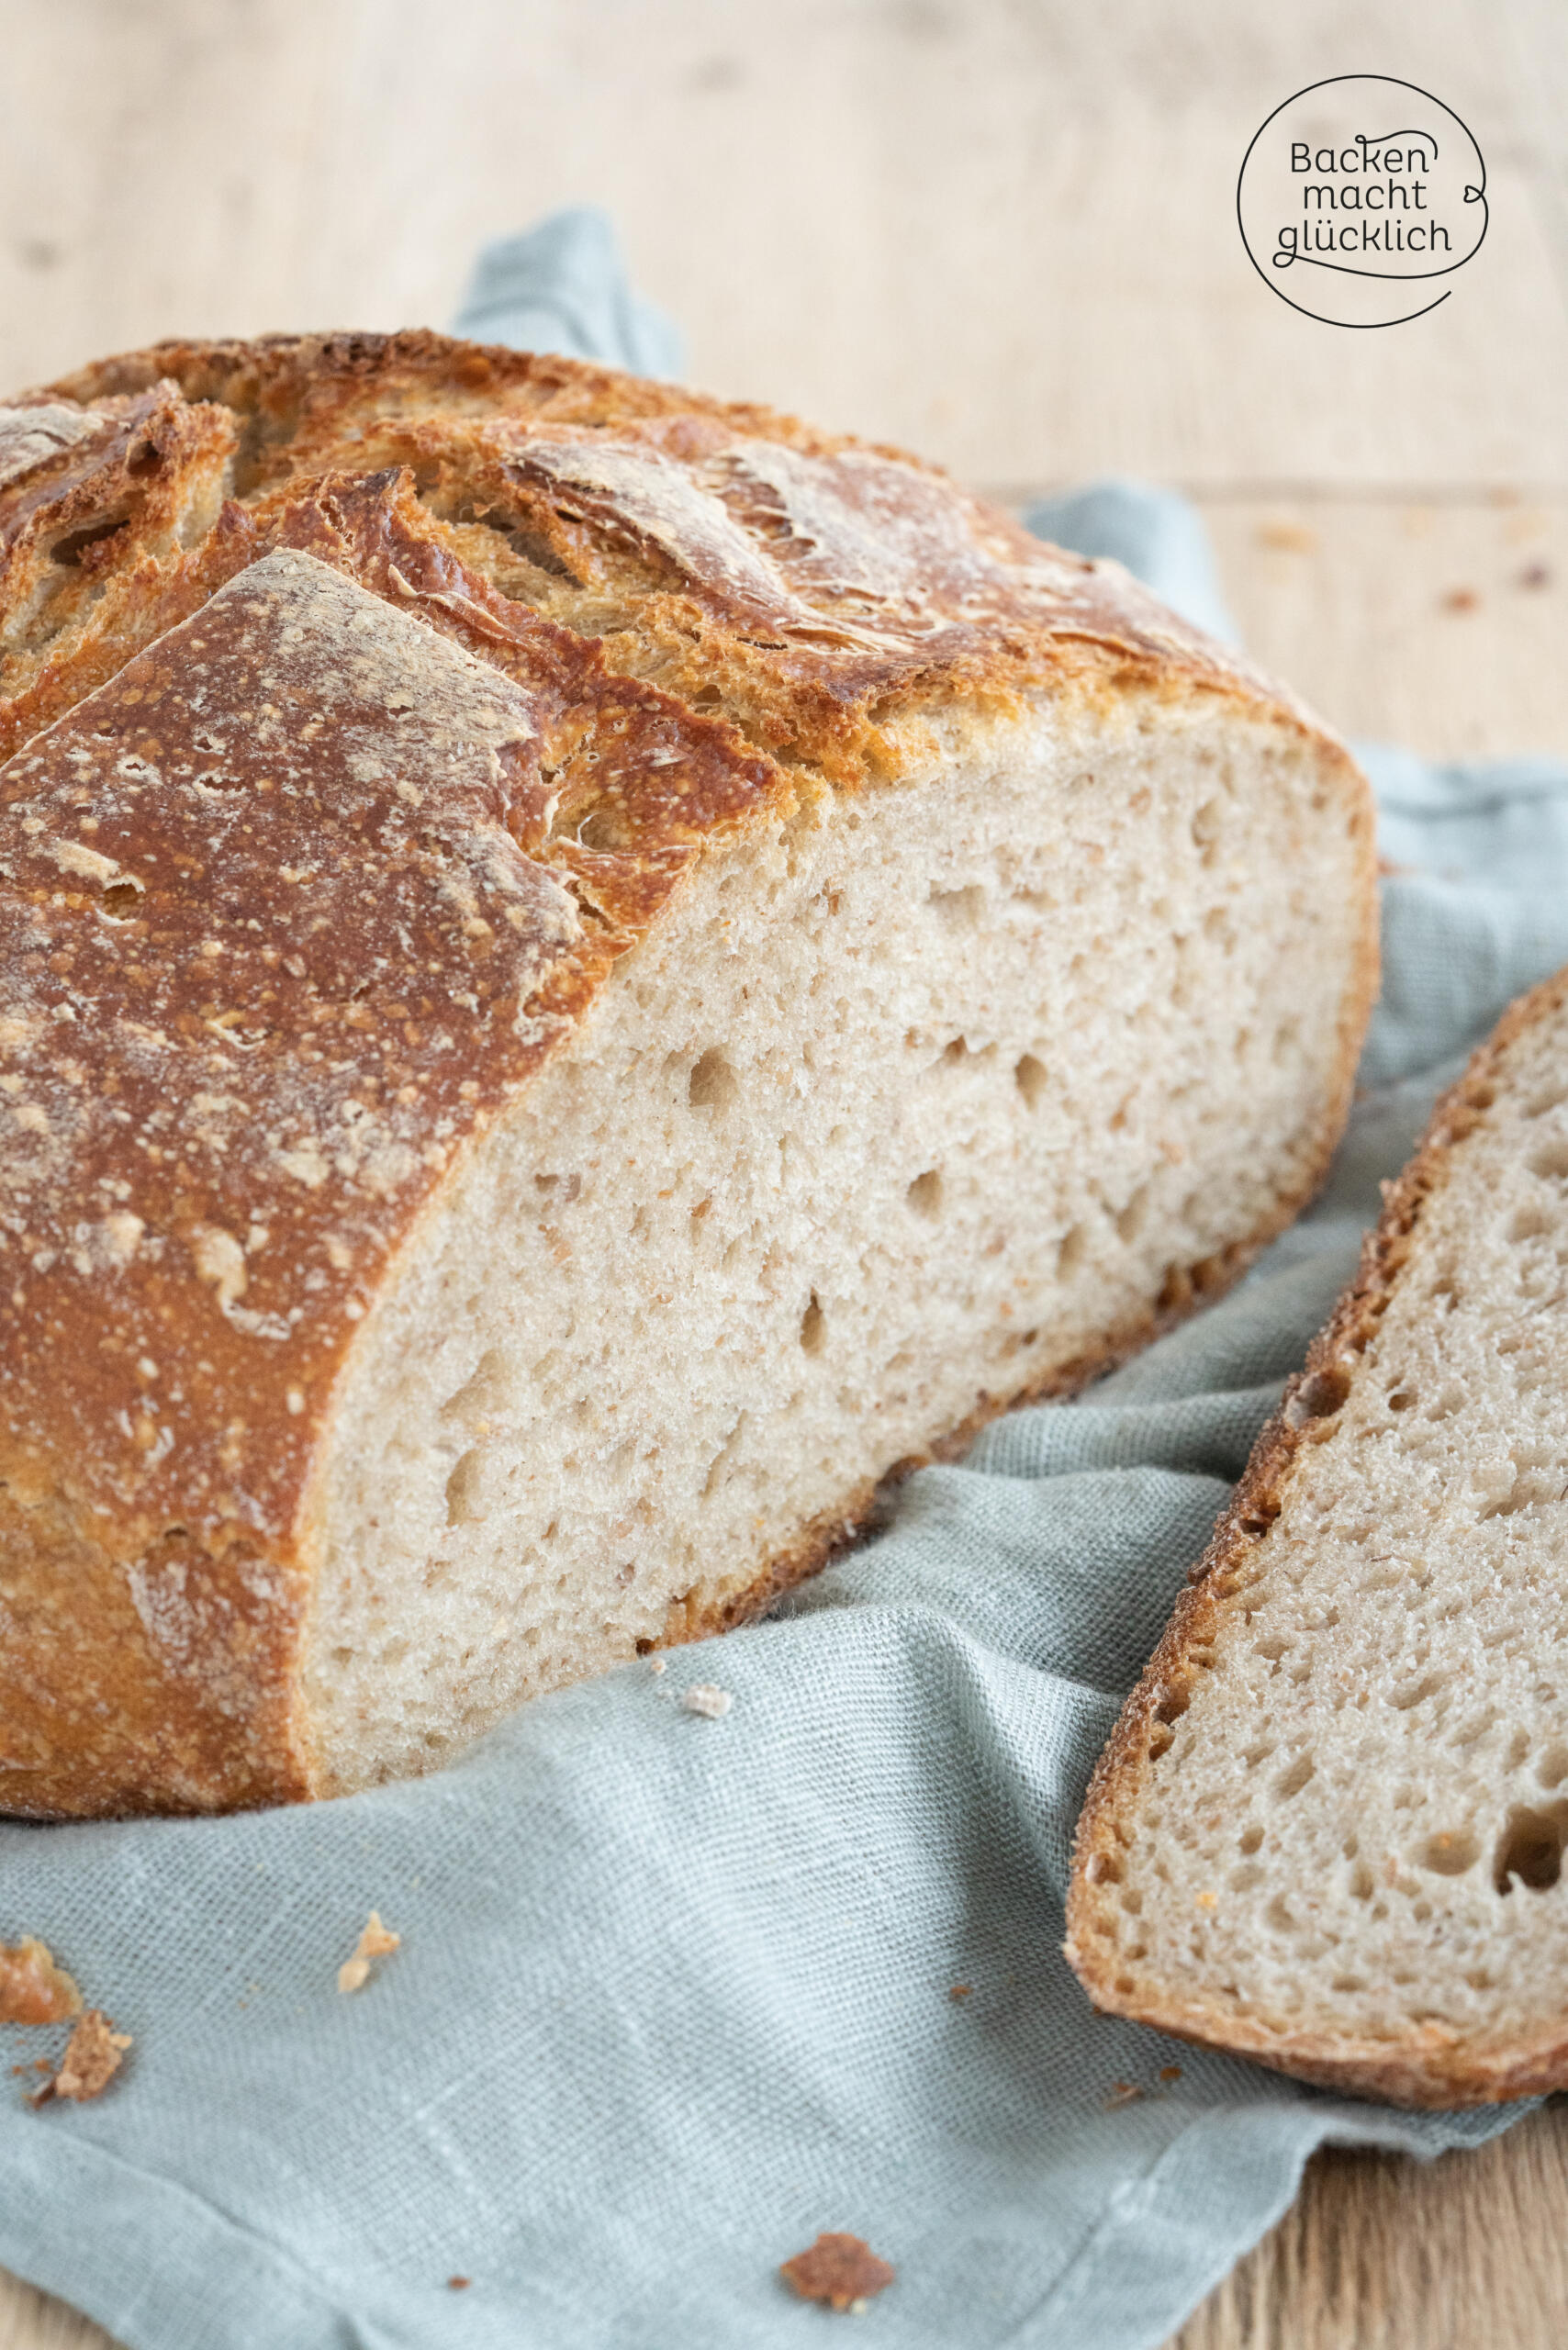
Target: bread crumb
{"type": "Point", "coordinates": [1122, 2093]}
{"type": "Point", "coordinates": [657, 1664]}
{"type": "Point", "coordinates": [33, 1989]}
{"type": "Point", "coordinates": [458, 2284]}
{"type": "Point", "coordinates": [93, 2056]}
{"type": "Point", "coordinates": [1292, 538]}
{"type": "Point", "coordinates": [1208, 1900]}
{"type": "Point", "coordinates": [1460, 599]}
{"type": "Point", "coordinates": [962, 1991]}
{"type": "Point", "coordinates": [841, 2270]}
{"type": "Point", "coordinates": [1170, 2072]}
{"type": "Point", "coordinates": [375, 1942]}
{"type": "Point", "coordinates": [703, 1698]}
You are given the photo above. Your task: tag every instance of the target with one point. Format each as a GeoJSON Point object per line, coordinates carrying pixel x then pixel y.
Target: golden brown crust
{"type": "Point", "coordinates": [233, 1067]}
{"type": "Point", "coordinates": [826, 591]}
{"type": "Point", "coordinates": [1429, 2068]}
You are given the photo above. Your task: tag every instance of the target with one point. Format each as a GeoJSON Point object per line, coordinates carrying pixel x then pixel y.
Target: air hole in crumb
{"type": "Point", "coordinates": [120, 899]}
{"type": "Point", "coordinates": [925, 1194]}
{"type": "Point", "coordinates": [1530, 1848]}
{"type": "Point", "coordinates": [1552, 1768]}
{"type": "Point", "coordinates": [1530, 1221]}
{"type": "Point", "coordinates": [958, 1050]}
{"type": "Point", "coordinates": [1291, 1780]}
{"type": "Point", "coordinates": [1069, 1251]}
{"type": "Point", "coordinates": [1130, 1221]}
{"type": "Point", "coordinates": [1360, 1882]}
{"type": "Point", "coordinates": [1250, 1839]}
{"type": "Point", "coordinates": [1206, 825]}
{"type": "Point", "coordinates": [463, 1493]}
{"type": "Point", "coordinates": [1450, 1852]}
{"type": "Point", "coordinates": [1549, 1159]}
{"type": "Point", "coordinates": [714, 1084]}
{"type": "Point", "coordinates": [813, 1323]}
{"type": "Point", "coordinates": [962, 909]}
{"type": "Point", "coordinates": [1173, 1703]}
{"type": "Point", "coordinates": [1320, 1395]}
{"type": "Point", "coordinates": [1029, 1075]}
{"type": "Point", "coordinates": [1401, 1399]}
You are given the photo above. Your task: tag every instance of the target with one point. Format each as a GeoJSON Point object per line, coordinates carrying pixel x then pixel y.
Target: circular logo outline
{"type": "Point", "coordinates": [1366, 326]}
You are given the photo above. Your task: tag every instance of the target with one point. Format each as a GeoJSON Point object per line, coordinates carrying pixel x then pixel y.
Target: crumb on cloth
{"type": "Point", "coordinates": [1122, 2093]}
{"type": "Point", "coordinates": [458, 2284]}
{"type": "Point", "coordinates": [703, 1698]}
{"type": "Point", "coordinates": [33, 1989]}
{"type": "Point", "coordinates": [841, 2270]}
{"type": "Point", "coordinates": [93, 2056]}
{"type": "Point", "coordinates": [375, 1942]}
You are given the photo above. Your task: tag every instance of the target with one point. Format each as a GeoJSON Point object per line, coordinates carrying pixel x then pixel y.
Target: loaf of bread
{"type": "Point", "coordinates": [1329, 1828]}
{"type": "Point", "coordinates": [586, 973]}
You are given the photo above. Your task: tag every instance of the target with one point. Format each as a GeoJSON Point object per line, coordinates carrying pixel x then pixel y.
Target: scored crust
{"type": "Point", "coordinates": [1430, 2070]}
{"type": "Point", "coordinates": [682, 618]}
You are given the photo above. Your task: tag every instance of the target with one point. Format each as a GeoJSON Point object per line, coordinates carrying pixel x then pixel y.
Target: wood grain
{"type": "Point", "coordinates": [1003, 234]}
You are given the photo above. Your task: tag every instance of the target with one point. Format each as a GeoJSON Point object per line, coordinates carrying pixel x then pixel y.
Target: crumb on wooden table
{"type": "Point", "coordinates": [375, 1942]}
{"type": "Point", "coordinates": [33, 1988]}
{"type": "Point", "coordinates": [841, 2270]}
{"type": "Point", "coordinates": [93, 2056]}
{"type": "Point", "coordinates": [703, 1698]}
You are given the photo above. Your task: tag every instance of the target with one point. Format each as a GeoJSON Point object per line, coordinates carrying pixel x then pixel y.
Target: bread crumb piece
{"type": "Point", "coordinates": [375, 1942]}
{"type": "Point", "coordinates": [1170, 2072]}
{"type": "Point", "coordinates": [1122, 2093]}
{"type": "Point", "coordinates": [703, 1698]}
{"type": "Point", "coordinates": [962, 1991]}
{"type": "Point", "coordinates": [33, 1989]}
{"type": "Point", "coordinates": [92, 2058]}
{"type": "Point", "coordinates": [657, 1664]}
{"type": "Point", "coordinates": [841, 2270]}
{"type": "Point", "coordinates": [1291, 538]}
{"type": "Point", "coordinates": [1460, 599]}
{"type": "Point", "coordinates": [458, 2284]}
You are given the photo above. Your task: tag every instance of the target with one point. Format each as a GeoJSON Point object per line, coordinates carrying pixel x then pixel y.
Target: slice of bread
{"type": "Point", "coordinates": [586, 974]}
{"type": "Point", "coordinates": [1328, 1830]}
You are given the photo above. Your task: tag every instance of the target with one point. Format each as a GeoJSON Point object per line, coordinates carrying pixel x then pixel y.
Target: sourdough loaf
{"type": "Point", "coordinates": [586, 973]}
{"type": "Point", "coordinates": [1329, 1828]}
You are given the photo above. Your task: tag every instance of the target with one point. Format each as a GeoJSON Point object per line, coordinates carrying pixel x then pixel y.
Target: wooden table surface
{"type": "Point", "coordinates": [1002, 233]}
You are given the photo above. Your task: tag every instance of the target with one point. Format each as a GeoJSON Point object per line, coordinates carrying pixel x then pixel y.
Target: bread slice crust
{"type": "Point", "coordinates": [1432, 2066]}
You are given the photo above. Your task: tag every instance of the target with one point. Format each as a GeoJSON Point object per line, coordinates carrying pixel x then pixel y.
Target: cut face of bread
{"type": "Point", "coordinates": [549, 1048]}
{"type": "Point", "coordinates": [1329, 1830]}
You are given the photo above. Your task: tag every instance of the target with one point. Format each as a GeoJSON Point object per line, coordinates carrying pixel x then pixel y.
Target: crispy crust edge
{"type": "Point", "coordinates": [1423, 2070]}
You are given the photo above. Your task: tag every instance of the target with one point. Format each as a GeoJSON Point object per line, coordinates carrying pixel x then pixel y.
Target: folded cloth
{"type": "Point", "coordinates": [562, 286]}
{"type": "Point", "coordinates": [674, 1993]}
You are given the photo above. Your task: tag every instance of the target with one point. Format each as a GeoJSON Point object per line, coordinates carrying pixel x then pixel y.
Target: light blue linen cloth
{"type": "Point", "coordinates": [675, 1994]}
